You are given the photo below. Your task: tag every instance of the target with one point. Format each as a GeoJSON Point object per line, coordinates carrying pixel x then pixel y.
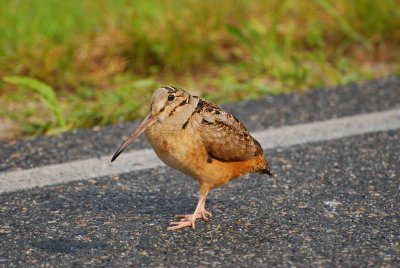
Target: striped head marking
{"type": "Point", "coordinates": [167, 100]}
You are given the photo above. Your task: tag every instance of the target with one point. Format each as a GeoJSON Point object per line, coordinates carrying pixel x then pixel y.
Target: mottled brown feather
{"type": "Point", "coordinates": [224, 136]}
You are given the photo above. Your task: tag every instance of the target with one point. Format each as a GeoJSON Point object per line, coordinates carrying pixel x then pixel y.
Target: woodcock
{"type": "Point", "coordinates": [201, 140]}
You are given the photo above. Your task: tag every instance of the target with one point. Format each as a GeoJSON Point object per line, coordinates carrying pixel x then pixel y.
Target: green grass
{"type": "Point", "coordinates": [102, 59]}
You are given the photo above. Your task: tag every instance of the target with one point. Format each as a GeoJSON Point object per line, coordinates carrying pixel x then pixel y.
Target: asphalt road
{"type": "Point", "coordinates": [332, 203]}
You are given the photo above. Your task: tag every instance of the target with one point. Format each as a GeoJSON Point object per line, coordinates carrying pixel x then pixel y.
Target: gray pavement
{"type": "Point", "coordinates": [332, 203]}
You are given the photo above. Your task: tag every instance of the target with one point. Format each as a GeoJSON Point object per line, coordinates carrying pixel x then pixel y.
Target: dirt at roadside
{"type": "Point", "coordinates": [9, 130]}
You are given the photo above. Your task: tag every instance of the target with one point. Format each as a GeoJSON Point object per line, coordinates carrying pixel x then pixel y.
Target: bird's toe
{"type": "Point", "coordinates": [175, 225]}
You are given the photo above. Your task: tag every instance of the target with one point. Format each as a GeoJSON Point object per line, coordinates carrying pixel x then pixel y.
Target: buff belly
{"type": "Point", "coordinates": [184, 151]}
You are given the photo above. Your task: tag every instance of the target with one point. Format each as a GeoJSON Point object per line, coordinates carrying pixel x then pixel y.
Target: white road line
{"type": "Point", "coordinates": [145, 159]}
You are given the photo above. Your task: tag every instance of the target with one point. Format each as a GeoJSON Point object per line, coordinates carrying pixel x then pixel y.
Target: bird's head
{"type": "Point", "coordinates": [164, 102]}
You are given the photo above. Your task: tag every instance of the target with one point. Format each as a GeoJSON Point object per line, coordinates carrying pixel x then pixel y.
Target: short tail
{"type": "Point", "coordinates": [267, 171]}
{"type": "Point", "coordinates": [262, 166]}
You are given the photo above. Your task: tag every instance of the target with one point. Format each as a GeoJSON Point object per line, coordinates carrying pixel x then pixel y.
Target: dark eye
{"type": "Point", "coordinates": [171, 97]}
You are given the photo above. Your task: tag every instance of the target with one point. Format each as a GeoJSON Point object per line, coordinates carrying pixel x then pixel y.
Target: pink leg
{"type": "Point", "coordinates": [187, 220]}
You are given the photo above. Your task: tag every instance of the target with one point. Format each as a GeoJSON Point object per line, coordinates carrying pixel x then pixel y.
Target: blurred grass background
{"type": "Point", "coordinates": [101, 60]}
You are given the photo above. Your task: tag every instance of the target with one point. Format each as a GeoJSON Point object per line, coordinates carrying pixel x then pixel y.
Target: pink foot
{"type": "Point", "coordinates": [175, 225]}
{"type": "Point", "coordinates": [203, 214]}
{"type": "Point", "coordinates": [188, 220]}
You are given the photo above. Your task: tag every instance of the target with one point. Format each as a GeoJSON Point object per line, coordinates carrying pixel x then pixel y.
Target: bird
{"type": "Point", "coordinates": [199, 139]}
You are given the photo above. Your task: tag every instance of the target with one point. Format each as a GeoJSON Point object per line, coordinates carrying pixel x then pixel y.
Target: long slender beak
{"type": "Point", "coordinates": [147, 122]}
